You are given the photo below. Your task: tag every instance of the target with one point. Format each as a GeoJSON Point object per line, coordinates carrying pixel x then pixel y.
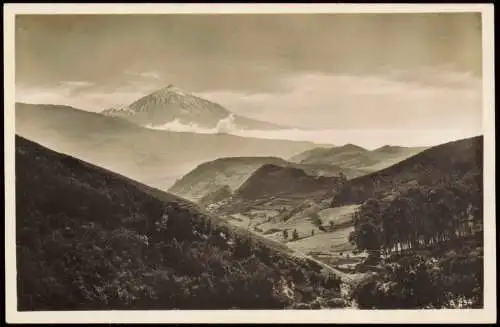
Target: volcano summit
{"type": "Point", "coordinates": [171, 104]}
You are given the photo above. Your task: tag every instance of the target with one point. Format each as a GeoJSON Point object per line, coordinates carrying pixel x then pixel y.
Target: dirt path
{"type": "Point", "coordinates": [342, 275]}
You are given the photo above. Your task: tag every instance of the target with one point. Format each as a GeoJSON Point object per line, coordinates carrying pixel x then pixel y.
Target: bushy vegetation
{"type": "Point", "coordinates": [90, 239]}
{"type": "Point", "coordinates": [425, 281]}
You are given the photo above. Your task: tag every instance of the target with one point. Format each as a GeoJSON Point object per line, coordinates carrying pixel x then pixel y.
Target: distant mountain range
{"type": "Point", "coordinates": [356, 157]}
{"type": "Point", "coordinates": [351, 160]}
{"type": "Point", "coordinates": [153, 157]}
{"type": "Point", "coordinates": [191, 165]}
{"type": "Point", "coordinates": [451, 161]}
{"type": "Point", "coordinates": [171, 104]}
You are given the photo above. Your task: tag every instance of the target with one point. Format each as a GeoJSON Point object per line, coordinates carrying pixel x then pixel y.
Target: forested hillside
{"type": "Point", "coordinates": [88, 238]}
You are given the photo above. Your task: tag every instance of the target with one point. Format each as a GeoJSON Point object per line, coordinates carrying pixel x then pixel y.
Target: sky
{"type": "Point", "coordinates": [352, 72]}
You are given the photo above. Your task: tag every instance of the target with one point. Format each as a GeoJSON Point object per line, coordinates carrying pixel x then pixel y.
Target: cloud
{"type": "Point", "coordinates": [153, 75]}
{"type": "Point", "coordinates": [76, 83]}
{"type": "Point", "coordinates": [238, 52]}
{"type": "Point", "coordinates": [368, 138]}
{"type": "Point", "coordinates": [91, 96]}
{"type": "Point", "coordinates": [440, 76]}
{"type": "Point", "coordinates": [419, 107]}
{"type": "Point", "coordinates": [93, 99]}
{"type": "Point", "coordinates": [146, 75]}
{"type": "Point", "coordinates": [434, 99]}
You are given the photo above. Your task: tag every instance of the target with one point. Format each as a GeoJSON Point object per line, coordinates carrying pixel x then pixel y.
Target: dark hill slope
{"type": "Point", "coordinates": [88, 238]}
{"type": "Point", "coordinates": [272, 180]}
{"type": "Point", "coordinates": [443, 163]}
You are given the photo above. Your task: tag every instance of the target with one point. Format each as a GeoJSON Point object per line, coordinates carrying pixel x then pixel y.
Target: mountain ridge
{"type": "Point", "coordinates": [354, 156]}
{"type": "Point", "coordinates": [450, 160]}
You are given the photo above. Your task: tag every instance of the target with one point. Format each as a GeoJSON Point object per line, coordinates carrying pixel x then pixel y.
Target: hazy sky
{"type": "Point", "coordinates": [342, 71]}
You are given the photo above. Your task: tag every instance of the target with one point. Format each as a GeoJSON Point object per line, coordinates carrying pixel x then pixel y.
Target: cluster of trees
{"type": "Point", "coordinates": [419, 217]}
{"type": "Point", "coordinates": [89, 239]}
{"type": "Point", "coordinates": [425, 282]}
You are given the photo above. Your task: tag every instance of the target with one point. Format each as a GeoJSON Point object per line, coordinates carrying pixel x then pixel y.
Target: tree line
{"type": "Point", "coordinates": [420, 217]}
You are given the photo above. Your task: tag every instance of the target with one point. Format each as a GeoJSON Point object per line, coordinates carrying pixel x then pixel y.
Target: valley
{"type": "Point", "coordinates": [316, 222]}
{"type": "Point", "coordinates": [323, 214]}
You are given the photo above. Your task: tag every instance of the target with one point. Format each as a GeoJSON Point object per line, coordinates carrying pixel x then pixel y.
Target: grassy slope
{"type": "Point", "coordinates": [88, 238]}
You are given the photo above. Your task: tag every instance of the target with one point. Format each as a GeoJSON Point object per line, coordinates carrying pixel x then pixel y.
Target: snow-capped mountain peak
{"type": "Point", "coordinates": [168, 104]}
{"type": "Point", "coordinates": [171, 104]}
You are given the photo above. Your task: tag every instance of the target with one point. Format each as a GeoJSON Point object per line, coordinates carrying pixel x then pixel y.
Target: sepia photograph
{"type": "Point", "coordinates": [249, 163]}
